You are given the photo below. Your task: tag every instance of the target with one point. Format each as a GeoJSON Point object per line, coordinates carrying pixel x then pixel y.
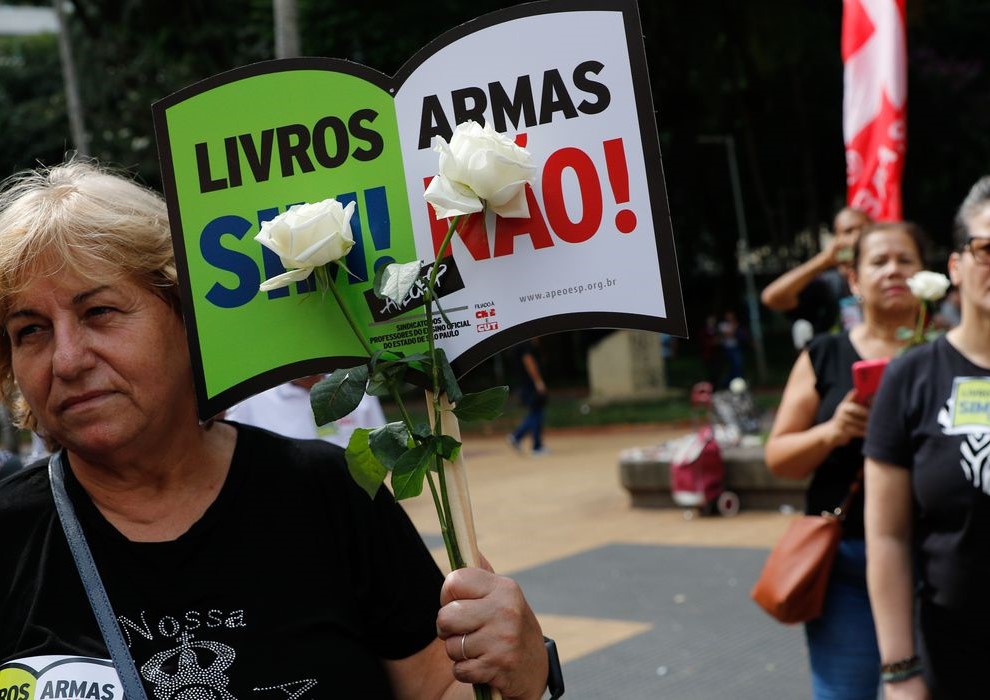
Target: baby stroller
{"type": "Point", "coordinates": [697, 472]}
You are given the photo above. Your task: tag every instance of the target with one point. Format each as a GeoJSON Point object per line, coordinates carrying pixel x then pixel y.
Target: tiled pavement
{"type": "Point", "coordinates": [643, 603]}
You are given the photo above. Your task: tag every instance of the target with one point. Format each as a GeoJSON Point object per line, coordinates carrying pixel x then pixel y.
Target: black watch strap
{"type": "Point", "coordinates": [555, 675]}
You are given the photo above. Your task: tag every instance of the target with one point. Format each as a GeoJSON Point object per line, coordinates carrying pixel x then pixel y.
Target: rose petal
{"type": "Point", "coordinates": [322, 252]}
{"type": "Point", "coordinates": [285, 279]}
{"type": "Point", "coordinates": [516, 207]}
{"type": "Point", "coordinates": [448, 199]}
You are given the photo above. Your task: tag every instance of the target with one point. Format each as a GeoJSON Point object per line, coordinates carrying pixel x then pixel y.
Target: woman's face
{"type": "Point", "coordinates": [104, 367]}
{"type": "Point", "coordinates": [971, 276]}
{"type": "Point", "coordinates": [887, 258]}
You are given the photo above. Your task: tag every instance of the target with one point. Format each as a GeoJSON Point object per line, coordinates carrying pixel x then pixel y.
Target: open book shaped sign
{"type": "Point", "coordinates": [566, 79]}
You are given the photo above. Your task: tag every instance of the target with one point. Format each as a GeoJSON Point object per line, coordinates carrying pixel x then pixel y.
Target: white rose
{"type": "Point", "coordinates": [480, 167]}
{"type": "Point", "coordinates": [305, 237]}
{"type": "Point", "coordinates": [928, 286]}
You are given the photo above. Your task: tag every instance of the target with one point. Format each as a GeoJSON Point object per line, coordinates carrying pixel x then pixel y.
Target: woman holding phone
{"type": "Point", "coordinates": [928, 489]}
{"type": "Point", "coordinates": [818, 432]}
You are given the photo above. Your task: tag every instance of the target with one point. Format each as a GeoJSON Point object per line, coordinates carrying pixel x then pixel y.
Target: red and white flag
{"type": "Point", "coordinates": [874, 104]}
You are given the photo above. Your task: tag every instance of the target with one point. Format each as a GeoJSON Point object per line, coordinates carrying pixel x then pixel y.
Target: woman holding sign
{"type": "Point", "coordinates": [818, 432]}
{"type": "Point", "coordinates": [928, 489]}
{"type": "Point", "coordinates": [221, 561]}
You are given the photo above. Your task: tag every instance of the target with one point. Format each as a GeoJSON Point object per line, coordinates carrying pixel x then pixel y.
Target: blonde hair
{"type": "Point", "coordinates": [82, 217]}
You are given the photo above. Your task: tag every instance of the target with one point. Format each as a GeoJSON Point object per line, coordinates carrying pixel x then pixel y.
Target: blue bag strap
{"type": "Point", "coordinates": [97, 594]}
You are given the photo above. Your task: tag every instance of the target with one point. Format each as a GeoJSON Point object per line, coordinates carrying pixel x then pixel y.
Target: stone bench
{"type": "Point", "coordinates": [645, 473]}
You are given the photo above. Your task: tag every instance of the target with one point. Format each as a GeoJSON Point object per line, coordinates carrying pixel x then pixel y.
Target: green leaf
{"type": "Point", "coordinates": [406, 359]}
{"type": "Point", "coordinates": [376, 357]}
{"type": "Point", "coordinates": [422, 431]}
{"type": "Point", "coordinates": [378, 388]}
{"type": "Point", "coordinates": [409, 472]}
{"type": "Point", "coordinates": [482, 405]}
{"type": "Point", "coordinates": [387, 375]}
{"type": "Point", "coordinates": [364, 467]}
{"type": "Point", "coordinates": [393, 281]}
{"type": "Point", "coordinates": [448, 382]}
{"type": "Point", "coordinates": [389, 443]}
{"type": "Point", "coordinates": [447, 447]}
{"type": "Point", "coordinates": [338, 394]}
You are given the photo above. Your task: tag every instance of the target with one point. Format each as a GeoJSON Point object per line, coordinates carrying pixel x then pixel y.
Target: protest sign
{"type": "Point", "coordinates": [566, 79]}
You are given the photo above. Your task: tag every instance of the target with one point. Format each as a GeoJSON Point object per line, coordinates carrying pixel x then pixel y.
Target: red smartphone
{"type": "Point", "coordinates": [866, 378]}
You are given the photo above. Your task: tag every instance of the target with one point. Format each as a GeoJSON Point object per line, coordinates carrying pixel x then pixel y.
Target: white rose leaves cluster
{"type": "Point", "coordinates": [305, 237]}
{"type": "Point", "coordinates": [928, 286]}
{"type": "Point", "coordinates": [480, 167]}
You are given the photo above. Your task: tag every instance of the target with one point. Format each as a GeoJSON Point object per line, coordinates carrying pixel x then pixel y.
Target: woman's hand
{"type": "Point", "coordinates": [911, 689]}
{"type": "Point", "coordinates": [491, 634]}
{"type": "Point", "coordinates": [849, 420]}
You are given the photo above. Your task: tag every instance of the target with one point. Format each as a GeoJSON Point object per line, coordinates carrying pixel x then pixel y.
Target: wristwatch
{"type": "Point", "coordinates": [555, 676]}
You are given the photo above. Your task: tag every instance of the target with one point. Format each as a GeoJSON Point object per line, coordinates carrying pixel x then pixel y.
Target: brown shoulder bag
{"type": "Point", "coordinates": [794, 579]}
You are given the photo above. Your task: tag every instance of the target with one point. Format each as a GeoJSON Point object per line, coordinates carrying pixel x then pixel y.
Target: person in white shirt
{"type": "Point", "coordinates": [285, 409]}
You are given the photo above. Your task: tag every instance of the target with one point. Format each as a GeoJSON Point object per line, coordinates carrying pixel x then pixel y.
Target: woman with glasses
{"type": "Point", "coordinates": [928, 490]}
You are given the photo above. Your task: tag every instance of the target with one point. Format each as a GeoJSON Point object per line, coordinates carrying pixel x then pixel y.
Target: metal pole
{"type": "Point", "coordinates": [742, 244]}
{"type": "Point", "coordinates": [72, 102]}
{"type": "Point", "coordinates": [286, 28]}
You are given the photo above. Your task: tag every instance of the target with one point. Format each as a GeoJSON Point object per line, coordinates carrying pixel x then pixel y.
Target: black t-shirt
{"type": "Point", "coordinates": [832, 357]}
{"type": "Point", "coordinates": [932, 416]}
{"type": "Point", "coordinates": [294, 583]}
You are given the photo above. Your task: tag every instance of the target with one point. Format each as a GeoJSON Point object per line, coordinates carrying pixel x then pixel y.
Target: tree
{"type": "Point", "coordinates": [33, 117]}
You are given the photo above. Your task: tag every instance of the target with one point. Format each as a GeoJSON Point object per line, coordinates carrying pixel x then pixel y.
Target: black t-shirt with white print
{"type": "Point", "coordinates": [292, 586]}
{"type": "Point", "coordinates": [932, 416]}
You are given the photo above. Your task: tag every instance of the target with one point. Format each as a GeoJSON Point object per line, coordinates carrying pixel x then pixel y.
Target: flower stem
{"type": "Point", "coordinates": [345, 309]}
{"type": "Point", "coordinates": [481, 692]}
{"type": "Point", "coordinates": [449, 541]}
{"type": "Point", "coordinates": [919, 329]}
{"type": "Point", "coordinates": [456, 560]}
{"type": "Point", "coordinates": [446, 521]}
{"type": "Point", "coordinates": [397, 397]}
{"type": "Point", "coordinates": [430, 287]}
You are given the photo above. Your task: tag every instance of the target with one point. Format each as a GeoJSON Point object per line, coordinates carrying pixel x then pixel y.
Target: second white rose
{"type": "Point", "coordinates": [480, 167]}
{"type": "Point", "coordinates": [928, 286]}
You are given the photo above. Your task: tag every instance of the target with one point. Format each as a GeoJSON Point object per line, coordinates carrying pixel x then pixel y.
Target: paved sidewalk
{"type": "Point", "coordinates": [643, 603]}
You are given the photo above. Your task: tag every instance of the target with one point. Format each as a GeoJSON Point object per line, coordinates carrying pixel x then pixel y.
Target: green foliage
{"type": "Point", "coordinates": [448, 382]}
{"type": "Point", "coordinates": [394, 281]}
{"type": "Point", "coordinates": [33, 117]}
{"type": "Point", "coordinates": [388, 370]}
{"type": "Point", "coordinates": [482, 405]}
{"type": "Point", "coordinates": [448, 448]}
{"type": "Point", "coordinates": [389, 442]}
{"type": "Point", "coordinates": [410, 471]}
{"type": "Point", "coordinates": [339, 394]}
{"type": "Point", "coordinates": [365, 469]}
